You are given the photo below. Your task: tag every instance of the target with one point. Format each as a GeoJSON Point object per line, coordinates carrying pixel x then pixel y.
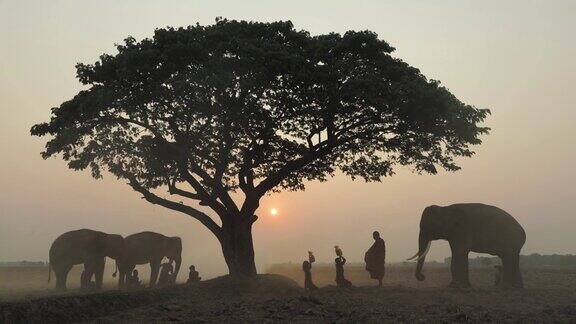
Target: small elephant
{"type": "Point", "coordinates": [149, 247]}
{"type": "Point", "coordinates": [86, 247]}
{"type": "Point", "coordinates": [472, 228]}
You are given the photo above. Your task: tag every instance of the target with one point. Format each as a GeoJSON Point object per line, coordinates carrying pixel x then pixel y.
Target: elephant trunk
{"type": "Point", "coordinates": [423, 248]}
{"type": "Point", "coordinates": [115, 269]}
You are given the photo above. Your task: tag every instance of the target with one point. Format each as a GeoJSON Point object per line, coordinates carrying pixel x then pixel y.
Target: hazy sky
{"type": "Point", "coordinates": [514, 57]}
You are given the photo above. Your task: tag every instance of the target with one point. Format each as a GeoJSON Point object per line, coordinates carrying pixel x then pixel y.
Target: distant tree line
{"type": "Point", "coordinates": [23, 264]}
{"type": "Point", "coordinates": [532, 260]}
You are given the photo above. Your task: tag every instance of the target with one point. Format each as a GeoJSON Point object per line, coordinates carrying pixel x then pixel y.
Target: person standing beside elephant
{"type": "Point", "coordinates": [375, 258]}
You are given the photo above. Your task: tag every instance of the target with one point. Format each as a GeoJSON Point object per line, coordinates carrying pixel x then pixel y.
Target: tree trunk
{"type": "Point", "coordinates": [238, 248]}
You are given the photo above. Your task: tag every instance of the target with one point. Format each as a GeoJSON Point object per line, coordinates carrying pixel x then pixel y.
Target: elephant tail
{"type": "Point", "coordinates": [115, 269]}
{"type": "Point", "coordinates": [49, 271]}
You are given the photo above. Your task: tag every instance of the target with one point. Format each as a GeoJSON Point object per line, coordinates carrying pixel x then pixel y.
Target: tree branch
{"type": "Point", "coordinates": [205, 197]}
{"type": "Point", "coordinates": [152, 130]}
{"type": "Point", "coordinates": [154, 199]}
{"type": "Point", "coordinates": [325, 148]}
{"type": "Point", "coordinates": [173, 190]}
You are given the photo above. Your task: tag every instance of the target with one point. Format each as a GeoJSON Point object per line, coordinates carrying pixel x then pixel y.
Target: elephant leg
{"type": "Point", "coordinates": [459, 268]}
{"type": "Point", "coordinates": [121, 274]}
{"type": "Point", "coordinates": [125, 271]}
{"type": "Point", "coordinates": [61, 272]}
{"type": "Point", "coordinates": [87, 274]}
{"type": "Point", "coordinates": [83, 280]}
{"type": "Point", "coordinates": [506, 271]}
{"type": "Point", "coordinates": [518, 281]}
{"type": "Point", "coordinates": [511, 270]}
{"type": "Point", "coordinates": [453, 272]}
{"type": "Point", "coordinates": [121, 278]}
{"type": "Point", "coordinates": [465, 271]}
{"type": "Point", "coordinates": [99, 272]}
{"type": "Point", "coordinates": [128, 274]}
{"type": "Point", "coordinates": [154, 269]}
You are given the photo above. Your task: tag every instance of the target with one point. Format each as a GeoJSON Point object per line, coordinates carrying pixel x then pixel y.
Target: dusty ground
{"type": "Point", "coordinates": [550, 296]}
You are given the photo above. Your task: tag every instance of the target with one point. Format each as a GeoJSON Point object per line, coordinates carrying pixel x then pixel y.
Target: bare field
{"type": "Point", "coordinates": [549, 296]}
{"type": "Point", "coordinates": [437, 276]}
{"type": "Point", "coordinates": [30, 282]}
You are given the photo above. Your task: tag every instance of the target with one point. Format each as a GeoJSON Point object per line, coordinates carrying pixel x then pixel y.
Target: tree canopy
{"type": "Point", "coordinates": [256, 107]}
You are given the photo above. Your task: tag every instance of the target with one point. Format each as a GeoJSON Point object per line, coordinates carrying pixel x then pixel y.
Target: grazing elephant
{"type": "Point", "coordinates": [472, 228]}
{"type": "Point", "coordinates": [86, 247]}
{"type": "Point", "coordinates": [149, 247]}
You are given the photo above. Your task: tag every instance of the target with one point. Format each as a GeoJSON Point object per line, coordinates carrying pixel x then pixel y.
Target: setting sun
{"type": "Point", "coordinates": [274, 212]}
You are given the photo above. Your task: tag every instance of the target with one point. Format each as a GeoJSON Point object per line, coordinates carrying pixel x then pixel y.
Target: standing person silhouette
{"type": "Point", "coordinates": [166, 272]}
{"type": "Point", "coordinates": [341, 281]}
{"type": "Point", "coordinates": [375, 258]}
{"type": "Point", "coordinates": [307, 268]}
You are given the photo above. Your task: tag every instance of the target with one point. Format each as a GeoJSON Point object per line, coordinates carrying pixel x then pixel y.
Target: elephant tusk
{"type": "Point", "coordinates": [413, 257]}
{"type": "Point", "coordinates": [418, 255]}
{"type": "Point", "coordinates": [423, 255]}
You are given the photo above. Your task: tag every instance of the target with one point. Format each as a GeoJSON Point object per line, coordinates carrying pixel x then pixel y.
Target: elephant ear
{"type": "Point", "coordinates": [453, 221]}
{"type": "Point", "coordinates": [96, 245]}
{"type": "Point", "coordinates": [174, 244]}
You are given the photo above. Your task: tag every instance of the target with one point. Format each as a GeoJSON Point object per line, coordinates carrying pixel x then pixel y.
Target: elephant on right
{"type": "Point", "coordinates": [151, 248]}
{"type": "Point", "coordinates": [472, 228]}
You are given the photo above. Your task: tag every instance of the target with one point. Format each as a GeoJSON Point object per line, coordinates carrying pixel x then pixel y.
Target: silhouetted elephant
{"type": "Point", "coordinates": [86, 247]}
{"type": "Point", "coordinates": [472, 228]}
{"type": "Point", "coordinates": [149, 247]}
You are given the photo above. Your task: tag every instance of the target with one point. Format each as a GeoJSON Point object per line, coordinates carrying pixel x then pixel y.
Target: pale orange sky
{"type": "Point", "coordinates": [514, 57]}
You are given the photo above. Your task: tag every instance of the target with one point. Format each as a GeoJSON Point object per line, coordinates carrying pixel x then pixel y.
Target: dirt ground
{"type": "Point", "coordinates": [549, 296]}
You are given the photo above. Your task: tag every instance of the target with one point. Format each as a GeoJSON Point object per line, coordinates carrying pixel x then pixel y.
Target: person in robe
{"type": "Point", "coordinates": [375, 258]}
{"type": "Point", "coordinates": [340, 261]}
{"type": "Point", "coordinates": [193, 275]}
{"type": "Point", "coordinates": [307, 268]}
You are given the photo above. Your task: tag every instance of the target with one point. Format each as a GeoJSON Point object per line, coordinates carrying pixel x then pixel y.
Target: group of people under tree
{"type": "Point", "coordinates": [164, 279]}
{"type": "Point", "coordinates": [375, 259]}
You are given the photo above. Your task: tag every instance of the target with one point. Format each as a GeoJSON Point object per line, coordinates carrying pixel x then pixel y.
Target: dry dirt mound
{"type": "Point", "coordinates": [86, 307]}
{"type": "Point", "coordinates": [263, 283]}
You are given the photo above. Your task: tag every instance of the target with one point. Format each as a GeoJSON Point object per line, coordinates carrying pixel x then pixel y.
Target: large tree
{"type": "Point", "coordinates": [205, 111]}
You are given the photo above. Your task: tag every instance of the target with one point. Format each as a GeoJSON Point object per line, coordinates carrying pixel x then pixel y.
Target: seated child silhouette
{"type": "Point", "coordinates": [193, 276]}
